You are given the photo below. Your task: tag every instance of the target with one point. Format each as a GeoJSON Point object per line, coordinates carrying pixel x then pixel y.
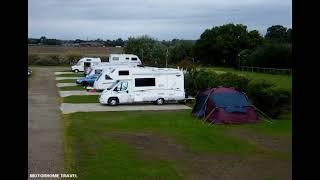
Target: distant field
{"type": "Point", "coordinates": [93, 51]}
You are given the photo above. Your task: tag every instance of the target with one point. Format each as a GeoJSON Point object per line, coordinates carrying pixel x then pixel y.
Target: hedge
{"type": "Point", "coordinates": [263, 94]}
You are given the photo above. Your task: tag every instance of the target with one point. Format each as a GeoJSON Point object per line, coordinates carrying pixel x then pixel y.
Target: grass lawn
{"type": "Point", "coordinates": [81, 99]}
{"type": "Point", "coordinates": [67, 81]}
{"type": "Point", "coordinates": [72, 88]}
{"type": "Point", "coordinates": [71, 75]}
{"type": "Point", "coordinates": [283, 81]}
{"type": "Point", "coordinates": [173, 145]}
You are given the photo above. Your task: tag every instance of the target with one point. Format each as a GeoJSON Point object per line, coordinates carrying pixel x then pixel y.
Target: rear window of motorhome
{"type": "Point", "coordinates": [115, 58]}
{"type": "Point", "coordinates": [142, 82]}
{"type": "Point", "coordinates": [121, 73]}
{"type": "Point", "coordinates": [134, 59]}
{"type": "Point", "coordinates": [108, 77]}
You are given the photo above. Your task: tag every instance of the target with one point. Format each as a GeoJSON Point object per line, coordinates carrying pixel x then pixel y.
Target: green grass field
{"type": "Point", "coordinates": [282, 81]}
{"type": "Point", "coordinates": [161, 145]}
{"type": "Point", "coordinates": [67, 81]}
{"type": "Point", "coordinates": [72, 88]}
{"type": "Point", "coordinates": [81, 99]}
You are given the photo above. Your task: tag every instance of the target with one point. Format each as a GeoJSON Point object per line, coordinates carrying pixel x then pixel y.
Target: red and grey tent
{"type": "Point", "coordinates": [224, 106]}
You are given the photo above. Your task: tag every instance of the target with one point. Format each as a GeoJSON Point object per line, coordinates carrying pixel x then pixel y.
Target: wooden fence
{"type": "Point", "coordinates": [266, 70]}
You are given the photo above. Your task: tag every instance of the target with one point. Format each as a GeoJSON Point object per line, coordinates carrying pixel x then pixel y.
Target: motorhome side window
{"type": "Point", "coordinates": [115, 58]}
{"type": "Point", "coordinates": [127, 58]}
{"type": "Point", "coordinates": [134, 59]}
{"type": "Point", "coordinates": [107, 77]}
{"type": "Point", "coordinates": [122, 73]}
{"type": "Point", "coordinates": [142, 82]}
{"type": "Point", "coordinates": [88, 59]}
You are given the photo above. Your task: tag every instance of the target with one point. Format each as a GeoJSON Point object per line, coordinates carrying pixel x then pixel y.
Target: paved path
{"type": "Point", "coordinates": [62, 78]}
{"type": "Point", "coordinates": [65, 84]}
{"type": "Point", "coordinates": [70, 93]}
{"type": "Point", "coordinates": [45, 128]}
{"type": "Point", "coordinates": [67, 108]}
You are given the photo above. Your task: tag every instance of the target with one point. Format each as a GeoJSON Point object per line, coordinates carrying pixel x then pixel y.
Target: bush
{"type": "Point", "coordinates": [263, 94]}
{"type": "Point", "coordinates": [232, 80]}
{"type": "Point", "coordinates": [268, 98]}
{"type": "Point", "coordinates": [196, 80]}
{"type": "Point", "coordinates": [72, 58]}
{"type": "Point", "coordinates": [32, 58]}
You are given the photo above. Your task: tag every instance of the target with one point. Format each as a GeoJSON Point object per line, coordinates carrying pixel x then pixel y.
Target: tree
{"type": "Point", "coordinates": [221, 45]}
{"type": "Point", "coordinates": [277, 34]}
{"type": "Point", "coordinates": [148, 49]}
{"type": "Point", "coordinates": [180, 51]}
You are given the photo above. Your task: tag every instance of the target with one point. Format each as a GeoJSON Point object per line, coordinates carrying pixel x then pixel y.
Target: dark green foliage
{"type": "Point", "coordinates": [263, 94]}
{"type": "Point", "coordinates": [270, 55]}
{"type": "Point", "coordinates": [181, 50]}
{"type": "Point", "coordinates": [148, 49]}
{"type": "Point", "coordinates": [279, 34]}
{"type": "Point", "coordinates": [232, 80]}
{"type": "Point", "coordinates": [221, 45]}
{"type": "Point", "coordinates": [199, 80]}
{"type": "Point", "coordinates": [32, 58]}
{"type": "Point", "coordinates": [268, 98]}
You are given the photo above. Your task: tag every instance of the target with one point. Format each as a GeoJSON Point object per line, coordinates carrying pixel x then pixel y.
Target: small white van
{"type": "Point", "coordinates": [144, 84]}
{"type": "Point", "coordinates": [84, 63]}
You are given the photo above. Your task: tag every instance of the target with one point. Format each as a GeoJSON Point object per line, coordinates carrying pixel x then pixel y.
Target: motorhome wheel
{"type": "Point", "coordinates": [113, 101]}
{"type": "Point", "coordinates": [85, 84]}
{"type": "Point", "coordinates": [76, 70]}
{"type": "Point", "coordinates": [159, 101]}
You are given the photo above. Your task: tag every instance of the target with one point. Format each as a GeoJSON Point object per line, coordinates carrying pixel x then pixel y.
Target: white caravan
{"type": "Point", "coordinates": [84, 63]}
{"type": "Point", "coordinates": [124, 59]}
{"type": "Point", "coordinates": [143, 84]}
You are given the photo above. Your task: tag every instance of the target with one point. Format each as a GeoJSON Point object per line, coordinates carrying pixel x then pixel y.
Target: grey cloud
{"type": "Point", "coordinates": [163, 19]}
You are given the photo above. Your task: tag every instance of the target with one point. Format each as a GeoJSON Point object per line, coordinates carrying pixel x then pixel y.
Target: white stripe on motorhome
{"type": "Point", "coordinates": [65, 84]}
{"type": "Point", "coordinates": [77, 93]}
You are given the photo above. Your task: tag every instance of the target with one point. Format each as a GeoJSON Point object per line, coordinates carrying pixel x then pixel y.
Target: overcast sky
{"type": "Point", "coordinates": [161, 19]}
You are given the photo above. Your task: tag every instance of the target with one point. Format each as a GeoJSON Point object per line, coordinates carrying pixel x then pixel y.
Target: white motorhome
{"type": "Point", "coordinates": [124, 59]}
{"type": "Point", "coordinates": [142, 84]}
{"type": "Point", "coordinates": [105, 66]}
{"type": "Point", "coordinates": [84, 63]}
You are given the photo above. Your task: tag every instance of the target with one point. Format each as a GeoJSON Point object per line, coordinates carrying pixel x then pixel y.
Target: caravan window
{"type": "Point", "coordinates": [108, 77]}
{"type": "Point", "coordinates": [115, 58]}
{"type": "Point", "coordinates": [88, 59]}
{"type": "Point", "coordinates": [134, 59]}
{"type": "Point", "coordinates": [121, 73]}
{"type": "Point", "coordinates": [141, 82]}
{"type": "Point", "coordinates": [127, 58]}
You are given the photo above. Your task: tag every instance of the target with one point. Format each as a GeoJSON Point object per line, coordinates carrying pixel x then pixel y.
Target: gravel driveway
{"type": "Point", "coordinates": [45, 138]}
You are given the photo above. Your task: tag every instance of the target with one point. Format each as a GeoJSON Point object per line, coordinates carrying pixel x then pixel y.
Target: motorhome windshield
{"type": "Point", "coordinates": [113, 85]}
{"type": "Point", "coordinates": [99, 76]}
